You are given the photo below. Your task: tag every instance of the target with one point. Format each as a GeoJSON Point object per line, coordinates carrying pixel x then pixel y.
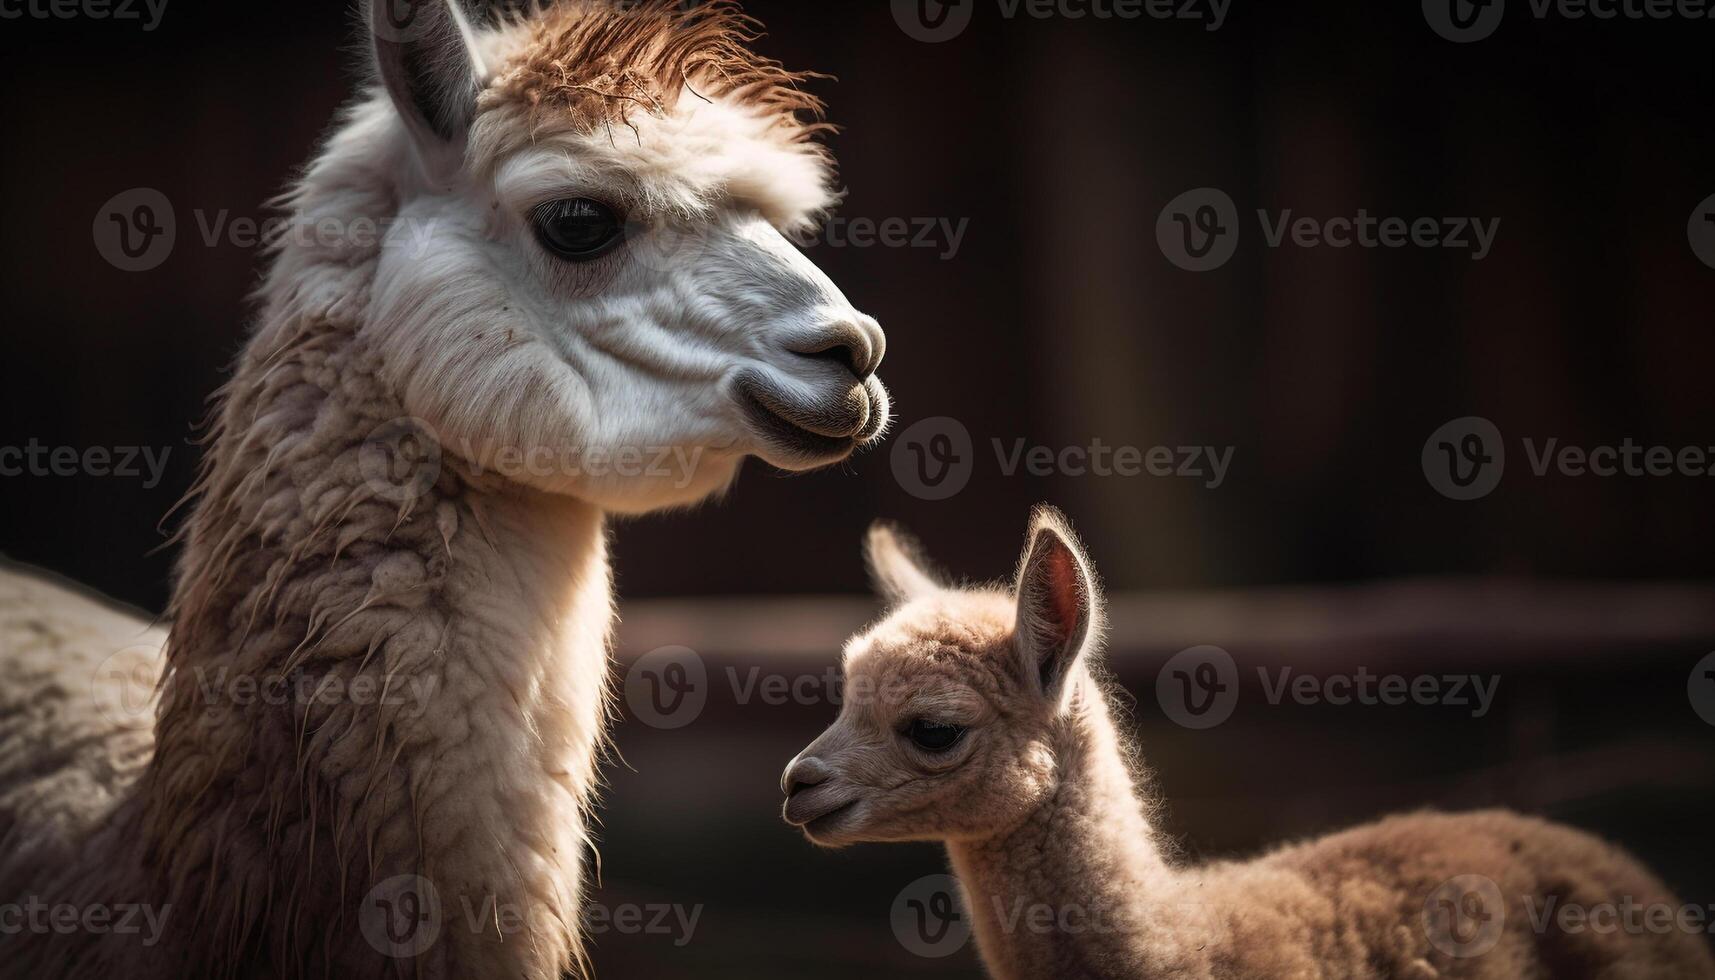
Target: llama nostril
{"type": "Point", "coordinates": [857, 345]}
{"type": "Point", "coordinates": [805, 773]}
{"type": "Point", "coordinates": [843, 355]}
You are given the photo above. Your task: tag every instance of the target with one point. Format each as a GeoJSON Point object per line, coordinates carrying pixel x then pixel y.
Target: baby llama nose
{"type": "Point", "coordinates": [804, 773]}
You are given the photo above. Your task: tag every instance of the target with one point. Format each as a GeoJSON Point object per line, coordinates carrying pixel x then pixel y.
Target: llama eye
{"type": "Point", "coordinates": [578, 229]}
{"type": "Point", "coordinates": [933, 737]}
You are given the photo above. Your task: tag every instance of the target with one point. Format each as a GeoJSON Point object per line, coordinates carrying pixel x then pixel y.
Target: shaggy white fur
{"type": "Point", "coordinates": [975, 717]}
{"type": "Point", "coordinates": [382, 699]}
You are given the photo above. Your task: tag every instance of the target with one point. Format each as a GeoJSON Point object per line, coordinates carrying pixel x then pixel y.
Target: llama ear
{"type": "Point", "coordinates": [1059, 603]}
{"type": "Point", "coordinates": [894, 566]}
{"type": "Point", "coordinates": [425, 53]}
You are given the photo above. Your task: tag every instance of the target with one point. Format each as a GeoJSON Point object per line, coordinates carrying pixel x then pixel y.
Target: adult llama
{"type": "Point", "coordinates": [378, 703]}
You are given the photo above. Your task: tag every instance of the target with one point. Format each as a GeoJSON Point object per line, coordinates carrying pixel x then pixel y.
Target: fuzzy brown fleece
{"type": "Point", "coordinates": [357, 687]}
{"type": "Point", "coordinates": [1065, 877]}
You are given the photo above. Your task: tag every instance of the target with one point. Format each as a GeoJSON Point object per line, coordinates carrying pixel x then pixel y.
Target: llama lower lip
{"type": "Point", "coordinates": [803, 809]}
{"type": "Point", "coordinates": [880, 410]}
{"type": "Point", "coordinates": [829, 820]}
{"type": "Point", "coordinates": [791, 439]}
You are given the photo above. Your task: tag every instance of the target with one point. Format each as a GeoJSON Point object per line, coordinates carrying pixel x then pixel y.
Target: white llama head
{"type": "Point", "coordinates": [954, 701]}
{"type": "Point", "coordinates": [593, 290]}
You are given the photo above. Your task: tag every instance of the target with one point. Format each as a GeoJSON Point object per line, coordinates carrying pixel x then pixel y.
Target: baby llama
{"type": "Point", "coordinates": [369, 746]}
{"type": "Point", "coordinates": [978, 718]}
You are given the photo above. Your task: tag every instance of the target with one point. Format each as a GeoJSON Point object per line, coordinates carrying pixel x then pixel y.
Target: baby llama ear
{"type": "Point", "coordinates": [425, 53]}
{"type": "Point", "coordinates": [1059, 604]}
{"type": "Point", "coordinates": [894, 566]}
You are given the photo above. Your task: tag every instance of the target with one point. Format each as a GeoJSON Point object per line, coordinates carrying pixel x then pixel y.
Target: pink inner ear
{"type": "Point", "coordinates": [1063, 598]}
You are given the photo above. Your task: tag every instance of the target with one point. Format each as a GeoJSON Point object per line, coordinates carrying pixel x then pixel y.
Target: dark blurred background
{"type": "Point", "coordinates": [1055, 144]}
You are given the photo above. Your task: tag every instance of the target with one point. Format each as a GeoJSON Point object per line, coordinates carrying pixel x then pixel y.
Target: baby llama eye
{"type": "Point", "coordinates": [934, 737]}
{"type": "Point", "coordinates": [578, 229]}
